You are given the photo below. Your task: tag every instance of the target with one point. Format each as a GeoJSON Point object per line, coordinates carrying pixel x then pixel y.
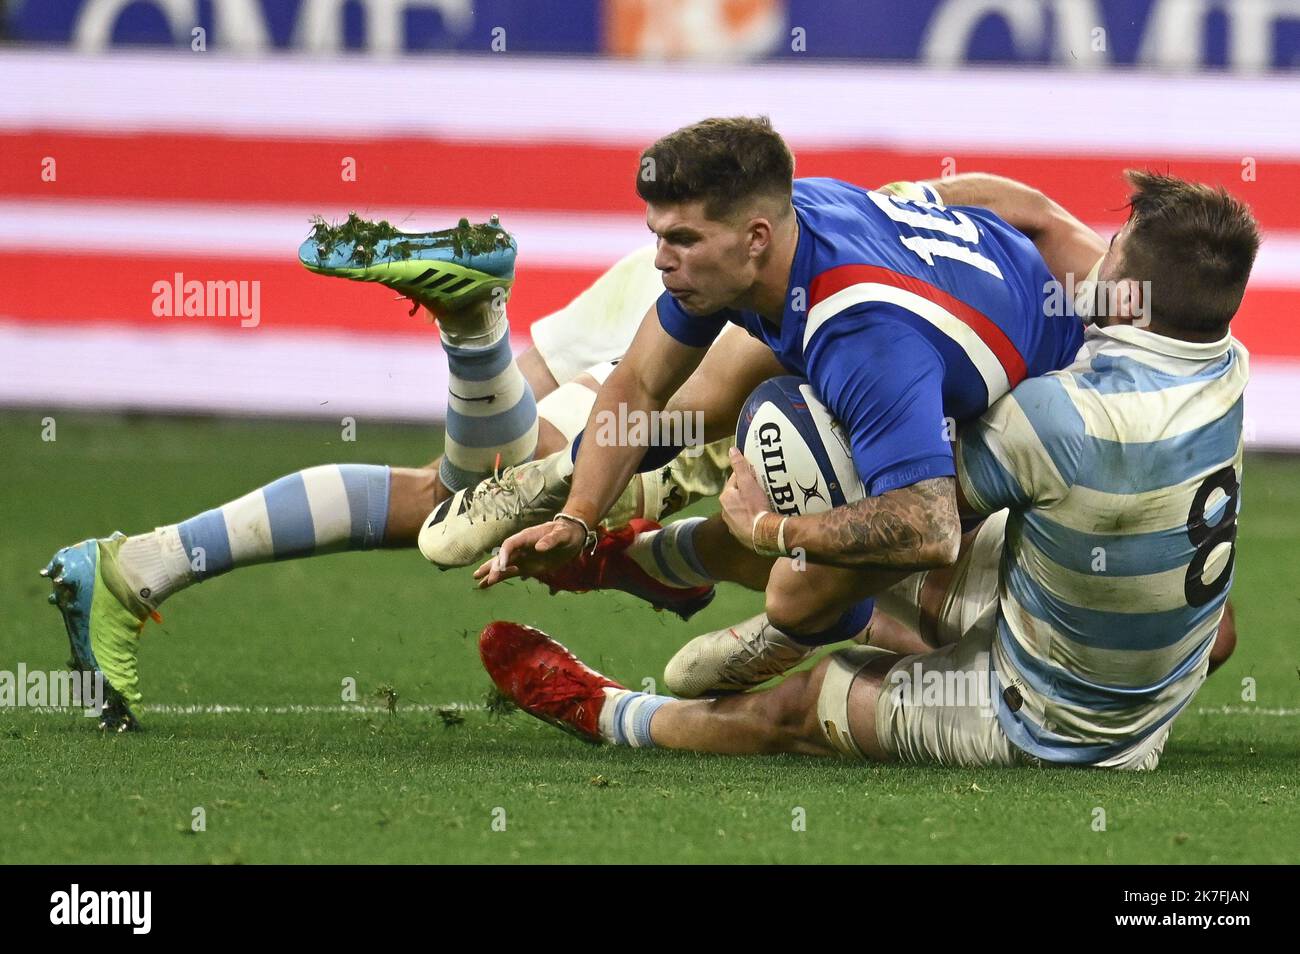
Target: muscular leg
{"type": "Point", "coordinates": [785, 717]}
{"type": "Point", "coordinates": [800, 597]}
{"type": "Point", "coordinates": [813, 598]}
{"type": "Point", "coordinates": [536, 372]}
{"type": "Point", "coordinates": [726, 560]}
{"type": "Point", "coordinates": [780, 719]}
{"type": "Point", "coordinates": [305, 514]}
{"type": "Point", "coordinates": [806, 606]}
{"type": "Point", "coordinates": [863, 695]}
{"type": "Point", "coordinates": [302, 515]}
{"type": "Point", "coordinates": [412, 493]}
{"type": "Point", "coordinates": [885, 632]}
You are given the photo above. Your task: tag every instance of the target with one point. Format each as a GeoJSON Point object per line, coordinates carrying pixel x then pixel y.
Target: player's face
{"type": "Point", "coordinates": [1119, 292]}
{"type": "Point", "coordinates": [1110, 262]}
{"type": "Point", "coordinates": [705, 263]}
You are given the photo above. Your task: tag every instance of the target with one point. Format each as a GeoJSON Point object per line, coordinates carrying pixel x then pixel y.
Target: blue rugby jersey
{"type": "Point", "coordinates": [901, 315]}
{"type": "Point", "coordinates": [1122, 474]}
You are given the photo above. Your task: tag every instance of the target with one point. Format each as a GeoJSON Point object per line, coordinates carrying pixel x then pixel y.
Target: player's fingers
{"type": "Point", "coordinates": [497, 575]}
{"type": "Point", "coordinates": [741, 469]}
{"type": "Point", "coordinates": [502, 559]}
{"type": "Point", "coordinates": [553, 538]}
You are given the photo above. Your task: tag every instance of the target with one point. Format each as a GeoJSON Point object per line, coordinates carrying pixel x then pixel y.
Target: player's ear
{"type": "Point", "coordinates": [1131, 304]}
{"type": "Point", "coordinates": [759, 236]}
{"type": "Point", "coordinates": [1123, 302]}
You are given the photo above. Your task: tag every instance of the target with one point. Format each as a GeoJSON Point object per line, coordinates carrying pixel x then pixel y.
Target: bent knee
{"type": "Point", "coordinates": [790, 710]}
{"type": "Point", "coordinates": [798, 612]}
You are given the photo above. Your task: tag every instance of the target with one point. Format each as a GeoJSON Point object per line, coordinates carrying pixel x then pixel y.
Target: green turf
{"type": "Point", "coordinates": [332, 787]}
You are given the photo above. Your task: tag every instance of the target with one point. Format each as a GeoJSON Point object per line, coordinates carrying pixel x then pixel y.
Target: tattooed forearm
{"type": "Point", "coordinates": [913, 528]}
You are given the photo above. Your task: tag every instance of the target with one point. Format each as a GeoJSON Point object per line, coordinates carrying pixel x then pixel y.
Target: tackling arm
{"type": "Point", "coordinates": [1067, 245]}
{"type": "Point", "coordinates": [655, 366]}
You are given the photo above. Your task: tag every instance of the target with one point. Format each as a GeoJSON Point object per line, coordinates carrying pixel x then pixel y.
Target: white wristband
{"type": "Point", "coordinates": [589, 539]}
{"type": "Point", "coordinates": [780, 537]}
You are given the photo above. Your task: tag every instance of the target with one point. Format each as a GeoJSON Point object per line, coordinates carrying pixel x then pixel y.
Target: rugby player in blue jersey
{"type": "Point", "coordinates": [904, 316]}
{"type": "Point", "coordinates": [1048, 653]}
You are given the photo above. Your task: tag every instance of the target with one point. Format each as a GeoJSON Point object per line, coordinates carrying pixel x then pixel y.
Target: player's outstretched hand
{"type": "Point", "coordinates": [532, 551]}
{"type": "Point", "coordinates": [742, 499]}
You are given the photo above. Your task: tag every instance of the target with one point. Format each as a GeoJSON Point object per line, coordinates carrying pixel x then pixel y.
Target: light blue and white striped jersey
{"type": "Point", "coordinates": [1122, 473]}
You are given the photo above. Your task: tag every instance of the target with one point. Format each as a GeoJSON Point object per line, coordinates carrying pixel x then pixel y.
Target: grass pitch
{"type": "Point", "coordinates": [287, 773]}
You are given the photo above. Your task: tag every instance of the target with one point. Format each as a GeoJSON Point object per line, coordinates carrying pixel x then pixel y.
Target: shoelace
{"type": "Point", "coordinates": [493, 495]}
{"type": "Point", "coordinates": [502, 495]}
{"type": "Point", "coordinates": [153, 615]}
{"type": "Point", "coordinates": [754, 651]}
{"type": "Point", "coordinates": [559, 686]}
{"type": "Point", "coordinates": [415, 305]}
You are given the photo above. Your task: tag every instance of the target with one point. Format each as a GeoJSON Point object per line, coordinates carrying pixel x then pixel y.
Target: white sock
{"type": "Point", "coordinates": [491, 414]}
{"type": "Point", "coordinates": [324, 509]}
{"type": "Point", "coordinates": [154, 564]}
{"type": "Point", "coordinates": [625, 717]}
{"type": "Point", "coordinates": [567, 408]}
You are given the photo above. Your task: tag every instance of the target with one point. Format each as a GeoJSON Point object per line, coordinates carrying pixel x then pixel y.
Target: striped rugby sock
{"type": "Point", "coordinates": [625, 717]}
{"type": "Point", "coordinates": [669, 555]}
{"type": "Point", "coordinates": [490, 411]}
{"type": "Point", "coordinates": [314, 511]}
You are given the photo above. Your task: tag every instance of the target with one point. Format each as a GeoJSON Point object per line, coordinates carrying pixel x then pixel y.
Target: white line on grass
{"type": "Point", "coordinates": [1246, 710]}
{"type": "Point", "coordinates": [220, 709]}
{"type": "Point", "coordinates": [426, 707]}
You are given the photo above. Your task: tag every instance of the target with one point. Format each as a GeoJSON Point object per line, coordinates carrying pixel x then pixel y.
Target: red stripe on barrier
{"type": "Point", "coordinates": [121, 290]}
{"type": "Point", "coordinates": [1266, 322]}
{"type": "Point", "coordinates": [483, 176]}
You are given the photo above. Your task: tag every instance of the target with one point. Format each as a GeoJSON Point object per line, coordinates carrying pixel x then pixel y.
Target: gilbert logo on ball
{"type": "Point", "coordinates": [799, 451]}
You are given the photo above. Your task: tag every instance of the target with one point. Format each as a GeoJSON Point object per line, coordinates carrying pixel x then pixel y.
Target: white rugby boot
{"type": "Point", "coordinates": [734, 659]}
{"type": "Point", "coordinates": [466, 527]}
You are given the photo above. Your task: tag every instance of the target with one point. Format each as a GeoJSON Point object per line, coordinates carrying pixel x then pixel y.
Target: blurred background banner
{"type": "Point", "coordinates": [1228, 34]}
{"type": "Point", "coordinates": [127, 173]}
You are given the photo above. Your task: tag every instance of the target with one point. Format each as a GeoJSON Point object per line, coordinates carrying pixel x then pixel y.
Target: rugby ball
{"type": "Point", "coordinates": [800, 453]}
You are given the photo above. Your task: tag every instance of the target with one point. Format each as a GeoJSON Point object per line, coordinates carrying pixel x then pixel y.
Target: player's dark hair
{"type": "Point", "coordinates": [723, 162]}
{"type": "Point", "coordinates": [1195, 244]}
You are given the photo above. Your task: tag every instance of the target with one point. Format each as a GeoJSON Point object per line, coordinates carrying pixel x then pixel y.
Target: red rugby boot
{"type": "Point", "coordinates": [543, 678]}
{"type": "Point", "coordinates": [608, 567]}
